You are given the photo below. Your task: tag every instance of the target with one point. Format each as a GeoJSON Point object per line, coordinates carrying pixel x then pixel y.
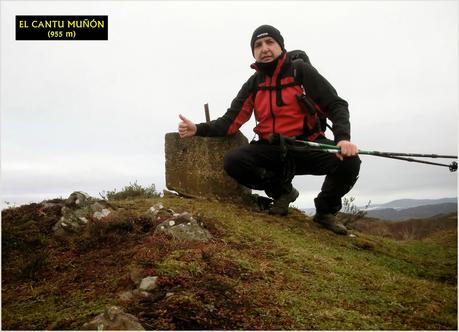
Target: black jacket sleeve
{"type": "Point", "coordinates": [323, 93]}
{"type": "Point", "coordinates": [239, 112]}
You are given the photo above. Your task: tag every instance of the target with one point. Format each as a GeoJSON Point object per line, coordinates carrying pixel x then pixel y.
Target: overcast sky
{"type": "Point", "coordinates": [92, 115]}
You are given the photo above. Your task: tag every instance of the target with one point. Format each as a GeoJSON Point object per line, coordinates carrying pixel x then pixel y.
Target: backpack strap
{"type": "Point", "coordinates": [277, 87]}
{"type": "Point", "coordinates": [298, 71]}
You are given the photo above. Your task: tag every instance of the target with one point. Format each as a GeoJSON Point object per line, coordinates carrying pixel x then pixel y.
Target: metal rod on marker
{"type": "Point", "coordinates": [206, 110]}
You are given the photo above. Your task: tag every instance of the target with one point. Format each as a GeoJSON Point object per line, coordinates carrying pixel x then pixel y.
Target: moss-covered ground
{"type": "Point", "coordinates": [259, 272]}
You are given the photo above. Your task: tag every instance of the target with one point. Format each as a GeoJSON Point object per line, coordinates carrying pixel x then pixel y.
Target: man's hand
{"type": "Point", "coordinates": [348, 149]}
{"type": "Point", "coordinates": [186, 128]}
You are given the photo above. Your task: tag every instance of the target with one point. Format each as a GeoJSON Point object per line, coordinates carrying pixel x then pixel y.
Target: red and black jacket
{"type": "Point", "coordinates": [276, 106]}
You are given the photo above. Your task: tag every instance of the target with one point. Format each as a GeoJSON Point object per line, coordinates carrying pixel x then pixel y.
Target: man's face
{"type": "Point", "coordinates": [266, 49]}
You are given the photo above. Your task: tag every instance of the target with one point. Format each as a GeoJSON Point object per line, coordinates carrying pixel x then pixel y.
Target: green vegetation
{"type": "Point", "coordinates": [259, 272]}
{"type": "Point", "coordinates": [133, 191]}
{"type": "Point", "coordinates": [351, 212]}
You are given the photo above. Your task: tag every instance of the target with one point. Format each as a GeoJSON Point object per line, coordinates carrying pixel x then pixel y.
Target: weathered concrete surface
{"type": "Point", "coordinates": [194, 166]}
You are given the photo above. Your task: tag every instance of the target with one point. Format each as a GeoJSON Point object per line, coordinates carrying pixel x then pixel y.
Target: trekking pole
{"type": "Point", "coordinates": [394, 155]}
{"type": "Point", "coordinates": [334, 147]}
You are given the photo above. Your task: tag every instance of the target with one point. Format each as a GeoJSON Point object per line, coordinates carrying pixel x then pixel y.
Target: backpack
{"type": "Point", "coordinates": [298, 58]}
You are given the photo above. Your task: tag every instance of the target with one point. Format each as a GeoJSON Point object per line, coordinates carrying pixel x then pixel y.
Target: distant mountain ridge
{"type": "Point", "coordinates": [418, 212]}
{"type": "Point", "coordinates": [404, 209]}
{"type": "Point", "coordinates": [411, 203]}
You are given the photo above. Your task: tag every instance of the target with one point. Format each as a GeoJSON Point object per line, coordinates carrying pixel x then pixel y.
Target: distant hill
{"type": "Point", "coordinates": [404, 209]}
{"type": "Point", "coordinates": [418, 212]}
{"type": "Point", "coordinates": [412, 229]}
{"type": "Point", "coordinates": [409, 203]}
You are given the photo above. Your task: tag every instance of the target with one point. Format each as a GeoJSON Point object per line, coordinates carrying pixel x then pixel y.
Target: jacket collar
{"type": "Point", "coordinates": [278, 67]}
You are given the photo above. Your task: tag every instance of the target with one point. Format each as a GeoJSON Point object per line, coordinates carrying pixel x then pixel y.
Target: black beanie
{"type": "Point", "coordinates": [267, 31]}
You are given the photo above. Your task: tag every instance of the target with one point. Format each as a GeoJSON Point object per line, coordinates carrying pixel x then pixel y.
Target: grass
{"type": "Point", "coordinates": [259, 272]}
{"type": "Point", "coordinates": [40, 309]}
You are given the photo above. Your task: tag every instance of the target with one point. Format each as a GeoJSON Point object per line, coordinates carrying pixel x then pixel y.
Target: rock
{"type": "Point", "coordinates": [101, 214]}
{"type": "Point", "coordinates": [78, 198]}
{"type": "Point", "coordinates": [194, 166]}
{"type": "Point", "coordinates": [114, 318]}
{"type": "Point", "coordinates": [128, 297]}
{"type": "Point", "coordinates": [184, 218]}
{"type": "Point", "coordinates": [148, 283]}
{"type": "Point", "coordinates": [77, 212]}
{"type": "Point", "coordinates": [184, 227]}
{"type": "Point", "coordinates": [71, 222]}
{"type": "Point", "coordinates": [158, 213]}
{"type": "Point", "coordinates": [96, 206]}
{"type": "Point", "coordinates": [154, 210]}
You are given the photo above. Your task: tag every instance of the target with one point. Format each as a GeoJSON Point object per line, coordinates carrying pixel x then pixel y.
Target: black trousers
{"type": "Point", "coordinates": [262, 166]}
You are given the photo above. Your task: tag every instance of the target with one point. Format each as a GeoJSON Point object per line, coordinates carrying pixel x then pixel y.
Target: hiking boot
{"type": "Point", "coordinates": [329, 221]}
{"type": "Point", "coordinates": [280, 205]}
